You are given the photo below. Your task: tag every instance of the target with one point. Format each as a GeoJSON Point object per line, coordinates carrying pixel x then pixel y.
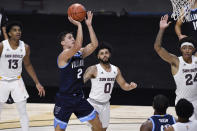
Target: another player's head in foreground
{"type": "Point", "coordinates": [184, 110]}
{"type": "Point", "coordinates": [160, 104]}
{"type": "Point", "coordinates": [14, 30]}
{"type": "Point", "coordinates": [187, 47]}
{"type": "Point", "coordinates": [66, 39]}
{"type": "Point", "coordinates": [103, 53]}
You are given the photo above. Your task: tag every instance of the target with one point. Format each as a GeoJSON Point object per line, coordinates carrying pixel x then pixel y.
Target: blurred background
{"type": "Point", "coordinates": [129, 26]}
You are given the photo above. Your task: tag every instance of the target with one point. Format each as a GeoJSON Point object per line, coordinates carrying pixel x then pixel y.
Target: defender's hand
{"type": "Point", "coordinates": [89, 19]}
{"type": "Point", "coordinates": [132, 85]}
{"type": "Point", "coordinates": [41, 91]}
{"type": "Point", "coordinates": [164, 22]}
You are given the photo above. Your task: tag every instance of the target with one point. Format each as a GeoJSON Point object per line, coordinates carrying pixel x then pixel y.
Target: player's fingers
{"type": "Point", "coordinates": [43, 92]}
{"type": "Point", "coordinates": [161, 18]}
{"type": "Point", "coordinates": [166, 16]}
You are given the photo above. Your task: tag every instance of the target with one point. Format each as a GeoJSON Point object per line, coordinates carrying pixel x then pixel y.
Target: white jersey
{"type": "Point", "coordinates": [103, 84]}
{"type": "Point", "coordinates": [186, 80]}
{"type": "Point", "coordinates": [11, 61]}
{"type": "Point", "coordinates": [189, 126]}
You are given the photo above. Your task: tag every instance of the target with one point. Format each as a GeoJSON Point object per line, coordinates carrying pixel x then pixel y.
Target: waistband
{"type": "Point", "coordinates": [97, 102]}
{"type": "Point", "coordinates": [6, 78]}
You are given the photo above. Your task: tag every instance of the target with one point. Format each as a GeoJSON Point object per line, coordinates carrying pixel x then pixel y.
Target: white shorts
{"type": "Point", "coordinates": [15, 87]}
{"type": "Point", "coordinates": [103, 111]}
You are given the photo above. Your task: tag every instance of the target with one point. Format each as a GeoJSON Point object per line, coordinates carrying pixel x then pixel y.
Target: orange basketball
{"type": "Point", "coordinates": [77, 12]}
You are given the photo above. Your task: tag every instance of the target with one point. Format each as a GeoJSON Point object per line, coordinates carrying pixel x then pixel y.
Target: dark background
{"type": "Point", "coordinates": [131, 37]}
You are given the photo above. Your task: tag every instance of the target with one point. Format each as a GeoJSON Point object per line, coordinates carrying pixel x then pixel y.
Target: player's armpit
{"type": "Point", "coordinates": [146, 126]}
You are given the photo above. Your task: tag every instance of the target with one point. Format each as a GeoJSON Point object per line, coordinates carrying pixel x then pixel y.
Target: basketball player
{"type": "Point", "coordinates": [3, 22]}
{"type": "Point", "coordinates": [103, 76]}
{"type": "Point", "coordinates": [13, 52]}
{"type": "Point", "coordinates": [192, 25]}
{"type": "Point", "coordinates": [183, 68]}
{"type": "Point", "coordinates": [184, 110]}
{"type": "Point", "coordinates": [70, 98]}
{"type": "Point", "coordinates": [160, 119]}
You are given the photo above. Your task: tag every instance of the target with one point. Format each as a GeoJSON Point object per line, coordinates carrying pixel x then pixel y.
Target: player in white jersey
{"type": "Point", "coordinates": [13, 52]}
{"type": "Point", "coordinates": [183, 68]}
{"type": "Point", "coordinates": [103, 76]}
{"type": "Point", "coordinates": [184, 110]}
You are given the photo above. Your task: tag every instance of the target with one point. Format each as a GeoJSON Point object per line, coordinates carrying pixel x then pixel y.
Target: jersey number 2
{"type": "Point", "coordinates": [13, 63]}
{"type": "Point", "coordinates": [79, 72]}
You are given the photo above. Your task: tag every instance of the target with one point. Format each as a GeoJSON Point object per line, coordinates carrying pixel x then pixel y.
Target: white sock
{"type": "Point", "coordinates": [24, 120]}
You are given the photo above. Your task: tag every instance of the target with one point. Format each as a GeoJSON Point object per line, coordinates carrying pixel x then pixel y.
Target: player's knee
{"type": "Point", "coordinates": [96, 124]}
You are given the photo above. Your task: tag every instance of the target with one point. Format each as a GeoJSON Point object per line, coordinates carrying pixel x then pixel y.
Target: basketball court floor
{"type": "Point", "coordinates": [123, 118]}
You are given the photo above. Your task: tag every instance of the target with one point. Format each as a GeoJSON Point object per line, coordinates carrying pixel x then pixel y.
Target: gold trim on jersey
{"type": "Point", "coordinates": [19, 77]}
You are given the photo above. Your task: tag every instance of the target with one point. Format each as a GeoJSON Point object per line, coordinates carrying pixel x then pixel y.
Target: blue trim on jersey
{"type": "Point", "coordinates": [91, 116]}
{"type": "Point", "coordinates": [152, 123]}
{"type": "Point", "coordinates": [64, 66]}
{"type": "Point", "coordinates": [62, 124]}
{"type": "Point", "coordinates": [194, 9]}
{"type": "Point", "coordinates": [174, 119]}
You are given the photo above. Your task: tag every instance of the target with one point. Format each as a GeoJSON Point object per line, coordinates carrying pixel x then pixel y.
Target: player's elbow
{"type": "Point", "coordinates": [157, 47]}
{"type": "Point", "coordinates": [95, 44]}
{"type": "Point", "coordinates": [77, 47]}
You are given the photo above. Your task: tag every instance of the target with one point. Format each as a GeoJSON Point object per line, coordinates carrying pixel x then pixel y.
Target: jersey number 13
{"type": "Point", "coordinates": [13, 63]}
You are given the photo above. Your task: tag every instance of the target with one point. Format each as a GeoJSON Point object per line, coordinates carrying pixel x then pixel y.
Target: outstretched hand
{"type": "Point", "coordinates": [73, 21]}
{"type": "Point", "coordinates": [41, 91]}
{"type": "Point", "coordinates": [89, 18]}
{"type": "Point", "coordinates": [164, 22]}
{"type": "Point", "coordinates": [132, 85]}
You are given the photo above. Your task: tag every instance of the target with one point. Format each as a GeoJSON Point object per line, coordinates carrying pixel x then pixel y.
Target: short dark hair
{"type": "Point", "coordinates": [62, 35]}
{"type": "Point", "coordinates": [160, 103]}
{"type": "Point", "coordinates": [184, 109]}
{"type": "Point", "coordinates": [188, 39]}
{"type": "Point", "coordinates": [101, 46]}
{"type": "Point", "coordinates": [11, 24]}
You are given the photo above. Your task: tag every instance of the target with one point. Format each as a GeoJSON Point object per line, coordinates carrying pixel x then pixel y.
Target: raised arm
{"type": "Point", "coordinates": [163, 53]}
{"type": "Point", "coordinates": [4, 21]}
{"type": "Point", "coordinates": [91, 72]}
{"type": "Point", "coordinates": [4, 33]}
{"type": "Point", "coordinates": [178, 29]}
{"type": "Point", "coordinates": [123, 84]}
{"type": "Point", "coordinates": [67, 54]}
{"type": "Point", "coordinates": [29, 68]}
{"type": "Point", "coordinates": [94, 42]}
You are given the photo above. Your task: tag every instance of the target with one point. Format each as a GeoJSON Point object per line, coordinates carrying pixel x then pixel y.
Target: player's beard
{"type": "Point", "coordinates": [105, 62]}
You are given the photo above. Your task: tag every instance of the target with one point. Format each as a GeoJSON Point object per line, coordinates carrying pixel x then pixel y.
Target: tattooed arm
{"type": "Point", "coordinates": [90, 72]}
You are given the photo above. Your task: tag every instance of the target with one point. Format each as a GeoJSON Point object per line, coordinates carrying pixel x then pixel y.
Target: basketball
{"type": "Point", "coordinates": [77, 12]}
